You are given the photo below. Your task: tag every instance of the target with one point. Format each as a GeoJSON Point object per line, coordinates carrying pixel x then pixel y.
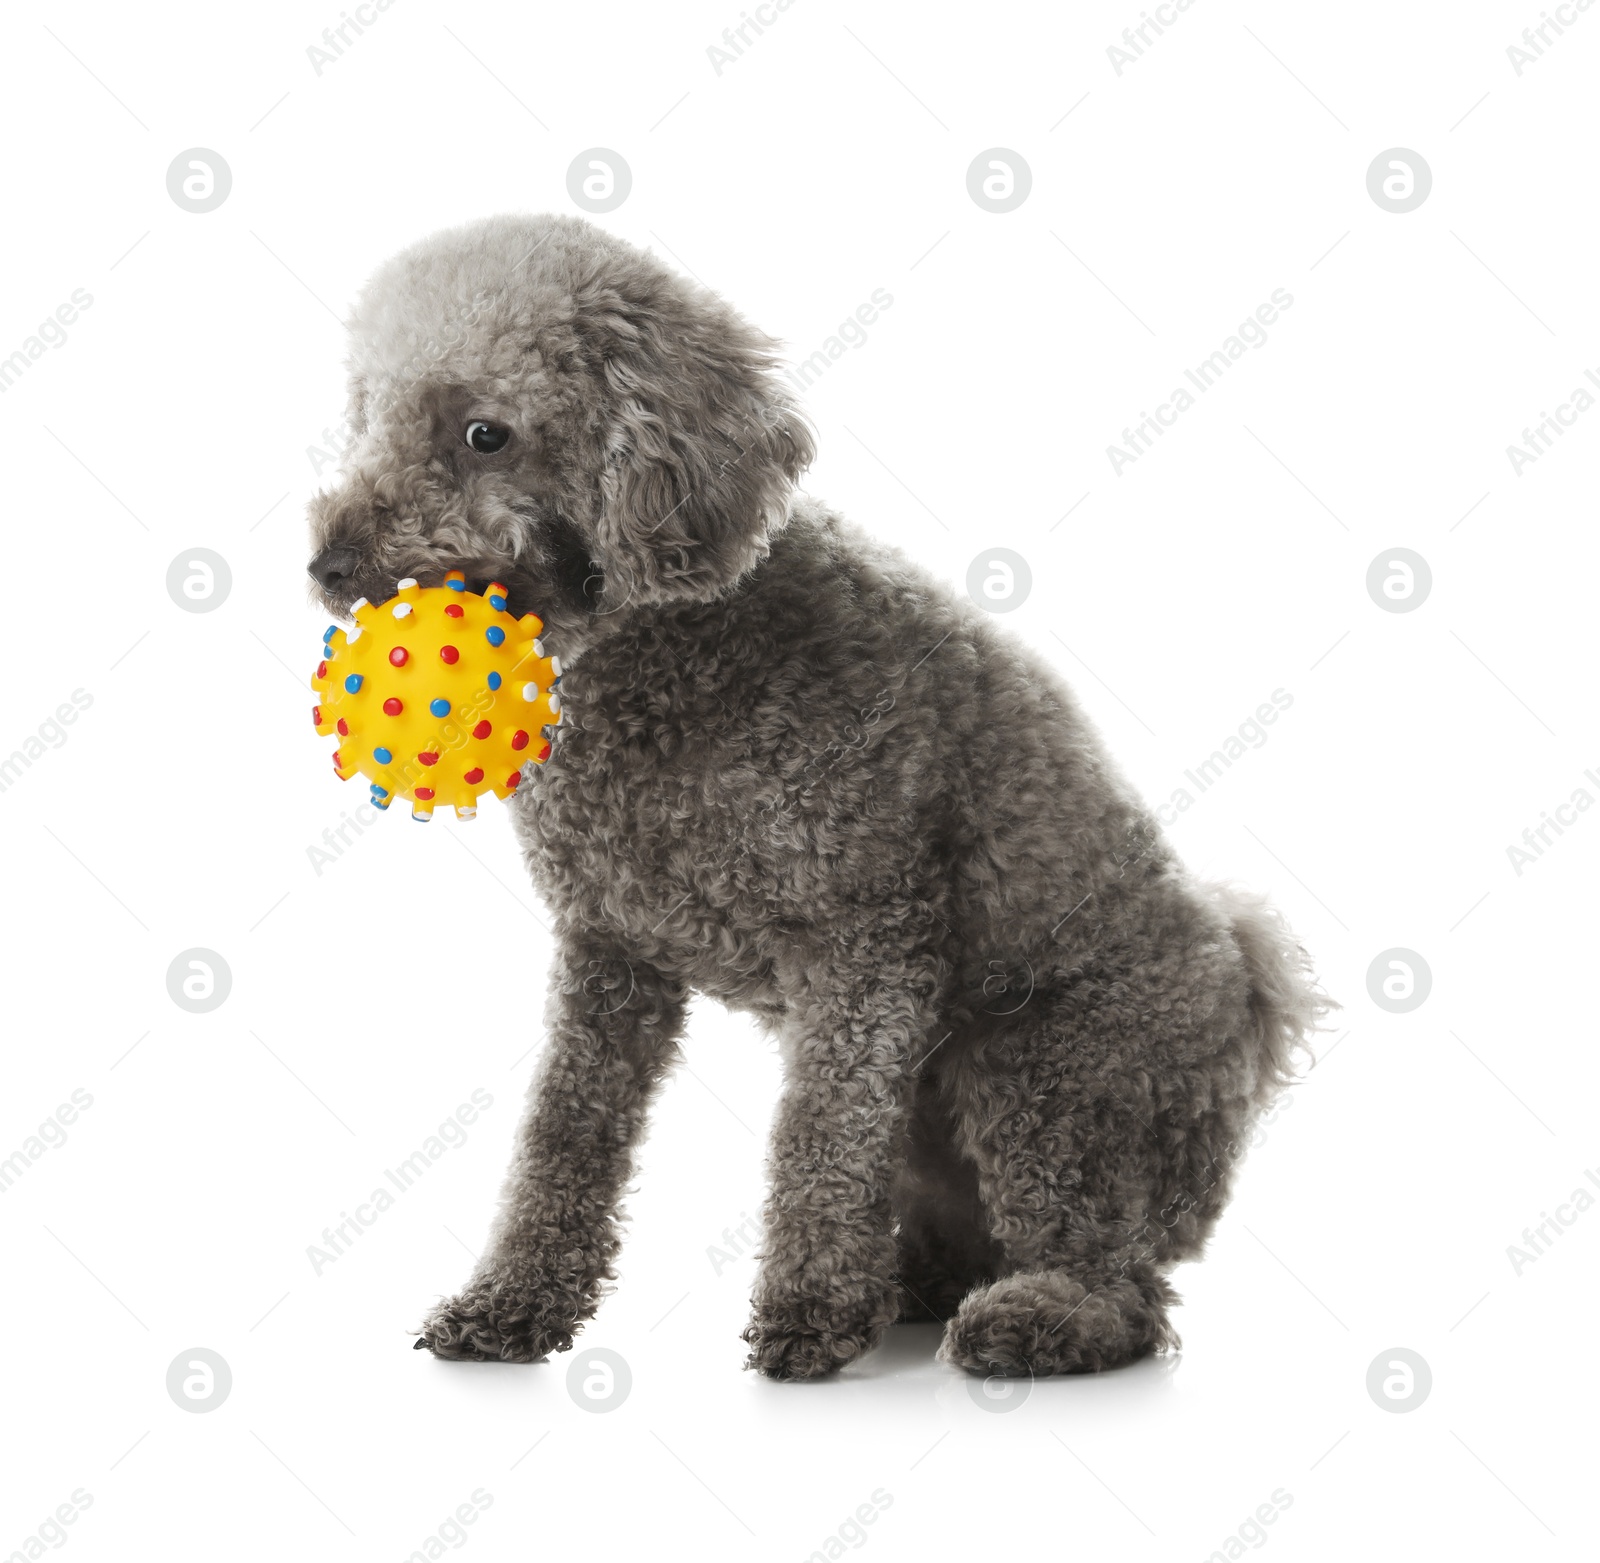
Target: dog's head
{"type": "Point", "coordinates": [535, 402]}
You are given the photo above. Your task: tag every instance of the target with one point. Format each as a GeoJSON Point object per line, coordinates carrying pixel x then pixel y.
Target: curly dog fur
{"type": "Point", "coordinates": [1022, 1046]}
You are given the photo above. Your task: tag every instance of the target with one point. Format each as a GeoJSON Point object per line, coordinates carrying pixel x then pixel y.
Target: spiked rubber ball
{"type": "Point", "coordinates": [437, 696]}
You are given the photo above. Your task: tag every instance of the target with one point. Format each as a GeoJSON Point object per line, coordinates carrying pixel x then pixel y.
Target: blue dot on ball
{"type": "Point", "coordinates": [494, 635]}
{"type": "Point", "coordinates": [439, 707]}
{"type": "Point", "coordinates": [382, 756]}
{"type": "Point", "coordinates": [456, 586]}
{"type": "Point", "coordinates": [498, 602]}
{"type": "Point", "coordinates": [327, 634]}
{"type": "Point", "coordinates": [353, 682]}
{"type": "Point", "coordinates": [494, 681]}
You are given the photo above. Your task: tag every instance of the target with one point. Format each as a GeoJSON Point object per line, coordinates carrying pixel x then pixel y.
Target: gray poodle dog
{"type": "Point", "coordinates": [1022, 1046]}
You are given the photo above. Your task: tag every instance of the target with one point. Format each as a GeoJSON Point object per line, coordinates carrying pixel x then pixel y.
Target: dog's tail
{"type": "Point", "coordinates": [1287, 1004]}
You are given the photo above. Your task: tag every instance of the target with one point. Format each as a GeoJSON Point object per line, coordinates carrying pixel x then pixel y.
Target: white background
{"type": "Point", "coordinates": [369, 1000]}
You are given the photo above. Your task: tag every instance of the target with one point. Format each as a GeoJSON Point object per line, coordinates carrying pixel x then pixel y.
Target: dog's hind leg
{"type": "Point", "coordinates": [1052, 1321]}
{"type": "Point", "coordinates": [1106, 1117]}
{"type": "Point", "coordinates": [1092, 1188]}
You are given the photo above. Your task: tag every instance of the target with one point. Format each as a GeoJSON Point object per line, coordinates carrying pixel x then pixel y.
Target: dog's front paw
{"type": "Point", "coordinates": [495, 1324]}
{"type": "Point", "coordinates": [794, 1344]}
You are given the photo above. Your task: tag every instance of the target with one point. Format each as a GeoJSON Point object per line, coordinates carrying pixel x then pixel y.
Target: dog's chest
{"type": "Point", "coordinates": [679, 841]}
{"type": "Point", "coordinates": [706, 807]}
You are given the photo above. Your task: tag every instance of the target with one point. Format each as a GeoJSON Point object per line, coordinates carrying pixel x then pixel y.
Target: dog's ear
{"type": "Point", "coordinates": [355, 401]}
{"type": "Point", "coordinates": [703, 441]}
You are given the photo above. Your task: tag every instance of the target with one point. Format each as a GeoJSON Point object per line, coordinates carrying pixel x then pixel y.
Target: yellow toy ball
{"type": "Point", "coordinates": [438, 696]}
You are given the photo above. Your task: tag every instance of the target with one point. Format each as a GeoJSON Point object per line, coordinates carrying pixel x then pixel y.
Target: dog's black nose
{"type": "Point", "coordinates": [334, 566]}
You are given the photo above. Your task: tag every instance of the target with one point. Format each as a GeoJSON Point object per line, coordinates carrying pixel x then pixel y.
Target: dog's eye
{"type": "Point", "coordinates": [487, 438]}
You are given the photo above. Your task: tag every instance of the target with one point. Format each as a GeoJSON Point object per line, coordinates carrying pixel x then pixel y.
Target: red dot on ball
{"type": "Point", "coordinates": [316, 716]}
{"type": "Point", "coordinates": [449, 654]}
{"type": "Point", "coordinates": [513, 778]}
{"type": "Point", "coordinates": [392, 707]}
{"type": "Point", "coordinates": [398, 656]}
{"type": "Point", "coordinates": [474, 776]}
{"type": "Point", "coordinates": [343, 727]}
{"type": "Point", "coordinates": [428, 759]}
{"type": "Point", "coordinates": [425, 793]}
{"type": "Point", "coordinates": [482, 730]}
{"type": "Point", "coordinates": [322, 670]}
{"type": "Point", "coordinates": [453, 610]}
{"type": "Point", "coordinates": [519, 739]}
{"type": "Point", "coordinates": [544, 753]}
